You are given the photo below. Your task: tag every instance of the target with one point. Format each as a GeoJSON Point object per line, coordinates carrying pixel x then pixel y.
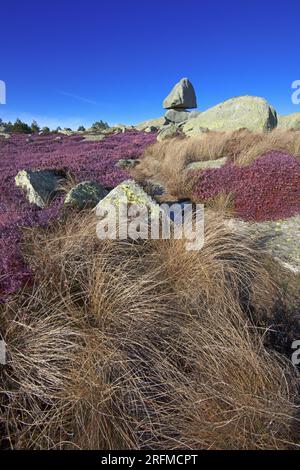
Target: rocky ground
{"type": "Point", "coordinates": [29, 184]}
{"type": "Point", "coordinates": [281, 239]}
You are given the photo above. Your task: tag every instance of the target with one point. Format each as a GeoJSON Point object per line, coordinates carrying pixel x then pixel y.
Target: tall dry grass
{"type": "Point", "coordinates": [122, 345]}
{"type": "Point", "coordinates": [166, 162]}
{"type": "Point", "coordinates": [244, 146]}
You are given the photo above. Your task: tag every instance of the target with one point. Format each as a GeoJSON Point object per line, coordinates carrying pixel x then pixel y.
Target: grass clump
{"type": "Point", "coordinates": [122, 345]}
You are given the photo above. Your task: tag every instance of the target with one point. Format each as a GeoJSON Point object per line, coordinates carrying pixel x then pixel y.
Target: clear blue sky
{"type": "Point", "coordinates": [69, 62]}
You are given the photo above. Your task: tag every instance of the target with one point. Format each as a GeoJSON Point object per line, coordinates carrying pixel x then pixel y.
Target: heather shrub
{"type": "Point", "coordinates": [83, 160]}
{"type": "Point", "coordinates": [267, 189]}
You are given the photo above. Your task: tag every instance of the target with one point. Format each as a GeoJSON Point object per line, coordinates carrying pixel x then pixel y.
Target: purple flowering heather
{"type": "Point", "coordinates": [85, 160]}
{"type": "Point", "coordinates": [267, 189]}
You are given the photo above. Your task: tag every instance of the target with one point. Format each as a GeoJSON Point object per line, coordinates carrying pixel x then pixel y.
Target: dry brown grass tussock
{"type": "Point", "coordinates": [166, 161]}
{"type": "Point", "coordinates": [244, 146]}
{"type": "Point", "coordinates": [143, 345]}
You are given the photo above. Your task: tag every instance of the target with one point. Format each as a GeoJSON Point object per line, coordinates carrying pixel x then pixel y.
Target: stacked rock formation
{"type": "Point", "coordinates": [181, 98]}
{"type": "Point", "coordinates": [250, 112]}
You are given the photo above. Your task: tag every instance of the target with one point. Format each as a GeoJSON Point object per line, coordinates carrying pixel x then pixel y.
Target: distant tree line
{"type": "Point", "coordinates": [22, 127]}
{"type": "Point", "coordinates": [100, 126]}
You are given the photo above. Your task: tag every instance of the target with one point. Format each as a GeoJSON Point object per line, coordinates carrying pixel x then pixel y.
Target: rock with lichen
{"type": "Point", "coordinates": [86, 194]}
{"type": "Point", "coordinates": [167, 132]}
{"type": "Point", "coordinates": [250, 112]}
{"type": "Point", "coordinates": [128, 193]}
{"type": "Point", "coordinates": [289, 121]}
{"type": "Point", "coordinates": [94, 137]}
{"type": "Point", "coordinates": [281, 239]}
{"type": "Point", "coordinates": [204, 165]}
{"type": "Point", "coordinates": [40, 186]}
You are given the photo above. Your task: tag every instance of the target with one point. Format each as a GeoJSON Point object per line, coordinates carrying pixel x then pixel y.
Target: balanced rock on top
{"type": "Point", "coordinates": [182, 96]}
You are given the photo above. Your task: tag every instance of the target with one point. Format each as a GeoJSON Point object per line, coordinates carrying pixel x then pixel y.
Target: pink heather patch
{"type": "Point", "coordinates": [86, 160]}
{"type": "Point", "coordinates": [268, 189]}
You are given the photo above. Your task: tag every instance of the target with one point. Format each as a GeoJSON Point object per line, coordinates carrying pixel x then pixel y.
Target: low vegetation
{"type": "Point", "coordinates": [267, 189]}
{"type": "Point", "coordinates": [81, 160]}
{"type": "Point", "coordinates": [260, 180]}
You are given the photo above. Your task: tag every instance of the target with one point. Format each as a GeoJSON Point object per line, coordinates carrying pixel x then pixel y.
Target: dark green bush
{"type": "Point", "coordinates": [21, 127]}
{"type": "Point", "coordinates": [100, 125]}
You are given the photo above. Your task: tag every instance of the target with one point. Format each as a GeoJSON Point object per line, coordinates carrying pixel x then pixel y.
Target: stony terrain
{"type": "Point", "coordinates": [84, 160]}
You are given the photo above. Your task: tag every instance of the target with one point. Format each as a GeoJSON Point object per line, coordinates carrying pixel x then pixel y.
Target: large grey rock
{"type": "Point", "coordinates": [249, 112]}
{"type": "Point", "coordinates": [67, 132]}
{"type": "Point", "coordinates": [94, 137]}
{"type": "Point", "coordinates": [282, 239]}
{"type": "Point", "coordinates": [112, 210]}
{"type": "Point", "coordinates": [167, 132]}
{"type": "Point", "coordinates": [194, 114]}
{"type": "Point", "coordinates": [40, 186]}
{"type": "Point", "coordinates": [86, 194]}
{"type": "Point", "coordinates": [176, 116]}
{"type": "Point", "coordinates": [182, 96]}
{"type": "Point", "coordinates": [289, 121]}
{"type": "Point", "coordinates": [204, 165]}
{"type": "Point", "coordinates": [129, 193]}
{"type": "Point", "coordinates": [117, 129]}
{"type": "Point", "coordinates": [4, 135]}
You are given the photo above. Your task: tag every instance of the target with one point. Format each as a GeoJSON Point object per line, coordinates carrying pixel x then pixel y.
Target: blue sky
{"type": "Point", "coordinates": [69, 62]}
